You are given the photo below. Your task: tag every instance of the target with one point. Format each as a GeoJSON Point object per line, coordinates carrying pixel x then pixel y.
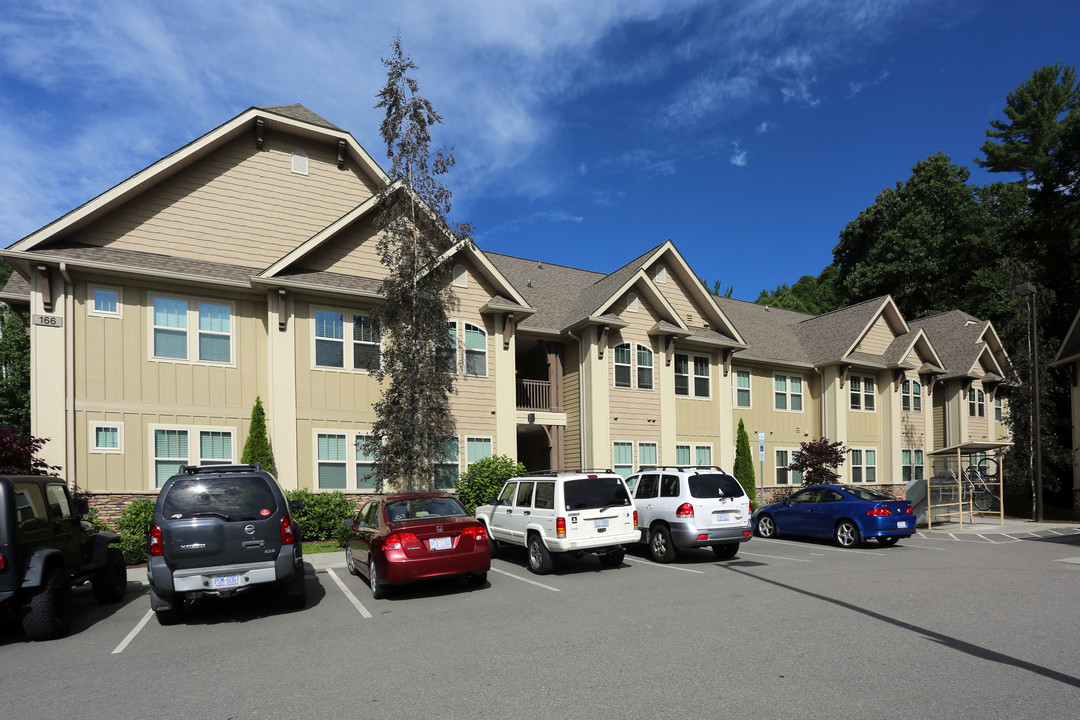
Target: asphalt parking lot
{"type": "Point", "coordinates": [946, 624]}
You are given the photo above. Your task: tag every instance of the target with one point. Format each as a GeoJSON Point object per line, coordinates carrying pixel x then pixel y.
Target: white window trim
{"type": "Point", "coordinates": [660, 274]}
{"type": "Point", "coordinates": [194, 446]}
{"type": "Point", "coordinates": [92, 310]}
{"type": "Point", "coordinates": [688, 446]}
{"type": "Point", "coordinates": [864, 466]}
{"type": "Point", "coordinates": [634, 372]}
{"type": "Point", "coordinates": [776, 467]}
{"type": "Point", "coordinates": [299, 162]}
{"type": "Point", "coordinates": [459, 339]}
{"type": "Point", "coordinates": [911, 395]}
{"type": "Point", "coordinates": [631, 302]}
{"type": "Point", "coordinates": [654, 445]}
{"type": "Point", "coordinates": [460, 276]}
{"type": "Point", "coordinates": [192, 329]}
{"type": "Point", "coordinates": [351, 478]}
{"type": "Point", "coordinates": [735, 389]}
{"type": "Point", "coordinates": [118, 450]}
{"type": "Point", "coordinates": [789, 394]}
{"type": "Point", "coordinates": [976, 406]}
{"type": "Point", "coordinates": [347, 352]}
{"type": "Point", "coordinates": [632, 456]}
{"type": "Point", "coordinates": [913, 464]}
{"type": "Point", "coordinates": [862, 393]}
{"type": "Point", "coordinates": [464, 457]}
{"type": "Point", "coordinates": [692, 376]}
{"type": "Point", "coordinates": [463, 327]}
{"type": "Point", "coordinates": [712, 456]}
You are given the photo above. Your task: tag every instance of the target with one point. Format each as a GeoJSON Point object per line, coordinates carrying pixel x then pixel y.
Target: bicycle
{"type": "Point", "coordinates": [977, 490]}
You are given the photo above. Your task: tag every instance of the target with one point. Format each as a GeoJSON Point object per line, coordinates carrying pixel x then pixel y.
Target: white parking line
{"type": "Point", "coordinates": [774, 557]}
{"type": "Point", "coordinates": [993, 542]}
{"type": "Point", "coordinates": [131, 635]}
{"type": "Point", "coordinates": [847, 551]}
{"type": "Point", "coordinates": [1055, 532]}
{"type": "Point", "coordinates": [525, 580]}
{"type": "Point", "coordinates": [666, 567]}
{"type": "Point", "coordinates": [348, 593]}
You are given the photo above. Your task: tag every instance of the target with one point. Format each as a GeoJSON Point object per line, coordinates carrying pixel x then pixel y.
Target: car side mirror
{"type": "Point", "coordinates": [82, 507]}
{"type": "Point", "coordinates": [492, 501]}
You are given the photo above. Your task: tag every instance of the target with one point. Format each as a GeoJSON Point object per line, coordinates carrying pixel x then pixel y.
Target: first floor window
{"type": "Point", "coordinates": [783, 475]}
{"type": "Point", "coordinates": [170, 453]}
{"type": "Point", "coordinates": [331, 462]}
{"type": "Point", "coordinates": [476, 449]}
{"type": "Point", "coordinates": [682, 455]}
{"type": "Point", "coordinates": [365, 464]}
{"type": "Point", "coordinates": [215, 447]}
{"type": "Point", "coordinates": [107, 438]}
{"type": "Point", "coordinates": [646, 454]}
{"type": "Point", "coordinates": [105, 301]}
{"type": "Point", "coordinates": [703, 455]}
{"type": "Point", "coordinates": [911, 464]}
{"type": "Point", "coordinates": [623, 456]}
{"type": "Point", "coordinates": [864, 466]}
{"type": "Point", "coordinates": [447, 466]}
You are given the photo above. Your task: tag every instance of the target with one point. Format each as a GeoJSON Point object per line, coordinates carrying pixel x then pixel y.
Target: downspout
{"type": "Point", "coordinates": [580, 401]}
{"type": "Point", "coordinates": [824, 411]}
{"type": "Point", "coordinates": [69, 375]}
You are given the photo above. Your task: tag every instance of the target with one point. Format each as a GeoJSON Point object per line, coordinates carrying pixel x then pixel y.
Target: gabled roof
{"type": "Point", "coordinates": [16, 290]}
{"type": "Point", "coordinates": [961, 341]}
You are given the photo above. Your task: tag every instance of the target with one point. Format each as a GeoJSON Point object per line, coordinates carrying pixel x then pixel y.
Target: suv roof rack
{"type": "Point", "coordinates": [579, 471]}
{"type": "Point", "coordinates": [681, 468]}
{"type": "Point", "coordinates": [215, 469]}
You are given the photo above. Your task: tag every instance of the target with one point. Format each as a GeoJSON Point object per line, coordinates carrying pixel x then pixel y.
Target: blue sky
{"type": "Point", "coordinates": [749, 133]}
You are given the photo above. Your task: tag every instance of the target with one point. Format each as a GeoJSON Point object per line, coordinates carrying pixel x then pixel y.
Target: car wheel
{"type": "Point", "coordinates": [350, 562]}
{"type": "Point", "coordinates": [888, 541]}
{"type": "Point", "coordinates": [47, 611]}
{"type": "Point", "coordinates": [847, 534]}
{"type": "Point", "coordinates": [378, 590]}
{"type": "Point", "coordinates": [539, 558]}
{"type": "Point", "coordinates": [110, 582]}
{"type": "Point", "coordinates": [726, 551]}
{"type": "Point", "coordinates": [477, 579]}
{"type": "Point", "coordinates": [494, 545]}
{"type": "Point", "coordinates": [612, 559]}
{"type": "Point", "coordinates": [766, 527]}
{"type": "Point", "coordinates": [660, 546]}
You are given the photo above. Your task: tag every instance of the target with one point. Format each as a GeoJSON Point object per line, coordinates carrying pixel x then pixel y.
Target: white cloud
{"type": "Point", "coordinates": [738, 156]}
{"type": "Point", "coordinates": [765, 127]}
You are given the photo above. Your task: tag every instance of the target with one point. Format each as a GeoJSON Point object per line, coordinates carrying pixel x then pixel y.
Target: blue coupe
{"type": "Point", "coordinates": [846, 513]}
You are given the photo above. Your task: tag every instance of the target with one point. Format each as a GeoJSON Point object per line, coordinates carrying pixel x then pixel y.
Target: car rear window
{"type": "Point", "coordinates": [713, 485]}
{"type": "Point", "coordinates": [232, 498]}
{"type": "Point", "coordinates": [417, 508]}
{"type": "Point", "coordinates": [598, 492]}
{"type": "Point", "coordinates": [871, 495]}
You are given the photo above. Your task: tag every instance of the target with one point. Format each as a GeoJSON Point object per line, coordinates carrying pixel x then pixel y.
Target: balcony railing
{"type": "Point", "coordinates": [533, 395]}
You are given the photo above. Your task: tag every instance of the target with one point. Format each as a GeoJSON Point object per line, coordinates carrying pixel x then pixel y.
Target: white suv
{"type": "Point", "coordinates": [559, 511]}
{"type": "Point", "coordinates": [690, 507]}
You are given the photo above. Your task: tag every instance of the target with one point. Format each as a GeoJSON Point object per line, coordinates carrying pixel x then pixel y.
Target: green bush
{"type": "Point", "coordinates": [134, 527]}
{"type": "Point", "coordinates": [485, 478]}
{"type": "Point", "coordinates": [323, 514]}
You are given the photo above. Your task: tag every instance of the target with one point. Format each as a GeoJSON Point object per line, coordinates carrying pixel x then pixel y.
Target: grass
{"type": "Point", "coordinates": [321, 546]}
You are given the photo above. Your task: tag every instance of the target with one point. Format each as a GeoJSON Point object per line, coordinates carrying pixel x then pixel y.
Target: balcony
{"type": "Point", "coordinates": [534, 395]}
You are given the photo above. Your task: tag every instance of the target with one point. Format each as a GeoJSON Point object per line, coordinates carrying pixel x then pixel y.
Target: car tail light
{"type": "Point", "coordinates": [287, 537]}
{"type": "Point", "coordinates": [476, 532]}
{"type": "Point", "coordinates": [704, 536]}
{"type": "Point", "coordinates": [560, 527]}
{"type": "Point", "coordinates": [3, 562]}
{"type": "Point", "coordinates": [909, 510]}
{"type": "Point", "coordinates": [747, 533]}
{"type": "Point", "coordinates": [394, 541]}
{"type": "Point", "coordinates": [635, 518]}
{"type": "Point", "coordinates": [686, 510]}
{"type": "Point", "coordinates": [157, 549]}
{"type": "Point", "coordinates": [879, 512]}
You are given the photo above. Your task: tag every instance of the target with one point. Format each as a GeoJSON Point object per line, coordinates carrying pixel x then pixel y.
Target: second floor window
{"type": "Point", "coordinates": [330, 341]}
{"type": "Point", "coordinates": [623, 368]}
{"type": "Point", "coordinates": [475, 351]}
{"type": "Point", "coordinates": [862, 393]}
{"type": "Point", "coordinates": [976, 403]}
{"type": "Point", "coordinates": [174, 316]}
{"type": "Point", "coordinates": [699, 364]}
{"type": "Point", "coordinates": [911, 396]}
{"type": "Point", "coordinates": [742, 388]}
{"type": "Point", "coordinates": [787, 391]}
{"type": "Point", "coordinates": [644, 368]}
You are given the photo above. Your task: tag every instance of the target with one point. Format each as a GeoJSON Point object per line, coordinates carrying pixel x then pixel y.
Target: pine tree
{"type": "Point", "coordinates": [413, 423]}
{"type": "Point", "coordinates": [257, 447]}
{"type": "Point", "coordinates": [744, 463]}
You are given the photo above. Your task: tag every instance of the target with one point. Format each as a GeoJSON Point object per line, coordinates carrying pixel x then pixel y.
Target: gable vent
{"type": "Point", "coordinates": [300, 162]}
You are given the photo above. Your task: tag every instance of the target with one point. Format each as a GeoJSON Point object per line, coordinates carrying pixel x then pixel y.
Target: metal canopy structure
{"type": "Point", "coordinates": [958, 483]}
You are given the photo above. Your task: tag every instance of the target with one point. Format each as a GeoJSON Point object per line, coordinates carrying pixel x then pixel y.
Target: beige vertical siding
{"type": "Point", "coordinates": [939, 403]}
{"type": "Point", "coordinates": [784, 430]}
{"type": "Point", "coordinates": [572, 404]}
{"type": "Point", "coordinates": [239, 205]}
{"type": "Point", "coordinates": [634, 413]}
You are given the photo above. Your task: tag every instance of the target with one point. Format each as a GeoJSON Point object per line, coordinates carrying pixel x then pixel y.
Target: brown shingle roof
{"type": "Point", "coordinates": [955, 336]}
{"type": "Point", "coordinates": [16, 290]}
{"type": "Point", "coordinates": [301, 113]}
{"type": "Point", "coordinates": [149, 261]}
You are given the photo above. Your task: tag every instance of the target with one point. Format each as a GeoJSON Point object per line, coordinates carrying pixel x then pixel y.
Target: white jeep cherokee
{"type": "Point", "coordinates": [559, 511]}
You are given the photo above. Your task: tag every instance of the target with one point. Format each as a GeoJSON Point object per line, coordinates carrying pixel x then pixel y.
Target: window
{"type": "Point", "coordinates": [703, 455]}
{"type": "Point", "coordinates": [300, 162]}
{"type": "Point", "coordinates": [107, 437]}
{"type": "Point", "coordinates": [461, 278]}
{"type": "Point", "coordinates": [447, 467]}
{"type": "Point", "coordinates": [330, 341]}
{"type": "Point", "coordinates": [622, 360]}
{"type": "Point", "coordinates": [214, 334]}
{"type": "Point", "coordinates": [170, 328]}
{"type": "Point", "coordinates": [631, 302]}
{"type": "Point", "coordinates": [644, 368]}
{"type": "Point", "coordinates": [911, 396]}
{"type": "Point", "coordinates": [742, 388]}
{"type": "Point", "coordinates": [476, 448]}
{"type": "Point", "coordinates": [862, 393]}
{"type": "Point", "coordinates": [172, 447]}
{"type": "Point", "coordinates": [787, 392]}
{"type": "Point", "coordinates": [475, 351]}
{"type": "Point", "coordinates": [623, 457]}
{"type": "Point", "coordinates": [998, 410]}
{"type": "Point", "coordinates": [700, 377]}
{"type": "Point", "coordinates": [911, 464]}
{"type": "Point", "coordinates": [976, 403]}
{"type": "Point", "coordinates": [646, 454]}
{"type": "Point", "coordinates": [105, 301]}
{"type": "Point", "coordinates": [332, 473]}
{"type": "Point", "coordinates": [682, 455]}
{"type": "Point", "coordinates": [660, 274]}
{"type": "Point", "coordinates": [446, 357]}
{"type": "Point", "coordinates": [365, 464]}
{"type": "Point", "coordinates": [864, 466]}
{"type": "Point", "coordinates": [783, 475]}
{"type": "Point", "coordinates": [215, 447]}
{"type": "Point", "coordinates": [170, 452]}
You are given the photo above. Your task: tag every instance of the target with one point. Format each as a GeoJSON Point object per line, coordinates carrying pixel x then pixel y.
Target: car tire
{"type": "Point", "coordinates": [494, 546]}
{"type": "Point", "coordinates": [110, 582]}
{"type": "Point", "coordinates": [660, 546]}
{"type": "Point", "coordinates": [378, 589]}
{"type": "Point", "coordinates": [847, 534]}
{"type": "Point", "coordinates": [350, 562]}
{"type": "Point", "coordinates": [47, 609]}
{"type": "Point", "coordinates": [477, 579]}
{"type": "Point", "coordinates": [766, 527]}
{"type": "Point", "coordinates": [612, 559]}
{"type": "Point", "coordinates": [726, 551]}
{"type": "Point", "coordinates": [540, 561]}
{"type": "Point", "coordinates": [888, 541]}
{"type": "Point", "coordinates": [294, 593]}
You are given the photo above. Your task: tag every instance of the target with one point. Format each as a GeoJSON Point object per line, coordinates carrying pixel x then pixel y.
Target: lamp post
{"type": "Point", "coordinates": [1028, 290]}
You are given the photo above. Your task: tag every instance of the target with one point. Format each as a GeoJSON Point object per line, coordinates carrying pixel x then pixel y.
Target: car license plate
{"type": "Point", "coordinates": [439, 543]}
{"type": "Point", "coordinates": [601, 522]}
{"type": "Point", "coordinates": [226, 581]}
{"type": "Point", "coordinates": [722, 517]}
{"type": "Point", "coordinates": [901, 523]}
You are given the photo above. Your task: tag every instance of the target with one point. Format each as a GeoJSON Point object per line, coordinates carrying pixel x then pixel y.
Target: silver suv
{"type": "Point", "coordinates": [561, 511]}
{"type": "Point", "coordinates": [690, 507]}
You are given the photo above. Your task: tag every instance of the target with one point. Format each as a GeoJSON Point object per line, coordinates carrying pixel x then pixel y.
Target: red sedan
{"type": "Point", "coordinates": [406, 537]}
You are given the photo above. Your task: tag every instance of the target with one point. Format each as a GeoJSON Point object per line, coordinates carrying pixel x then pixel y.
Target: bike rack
{"type": "Point", "coordinates": [957, 477]}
